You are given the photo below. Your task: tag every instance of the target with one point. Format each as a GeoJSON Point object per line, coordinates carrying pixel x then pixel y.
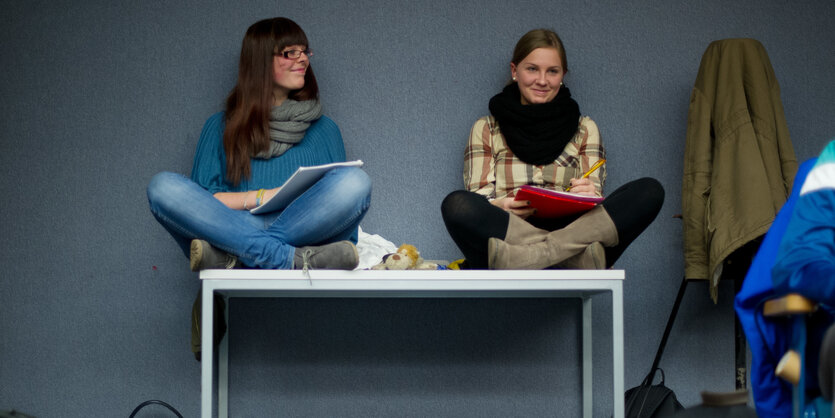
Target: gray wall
{"type": "Point", "coordinates": [97, 96]}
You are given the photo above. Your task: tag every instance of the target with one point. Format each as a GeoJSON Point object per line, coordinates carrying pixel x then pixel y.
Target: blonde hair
{"type": "Point", "coordinates": [539, 38]}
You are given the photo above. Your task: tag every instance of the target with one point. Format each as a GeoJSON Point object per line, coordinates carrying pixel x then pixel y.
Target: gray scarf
{"type": "Point", "coordinates": [288, 123]}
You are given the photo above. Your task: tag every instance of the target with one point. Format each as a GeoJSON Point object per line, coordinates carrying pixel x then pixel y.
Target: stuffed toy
{"type": "Point", "coordinates": [407, 257]}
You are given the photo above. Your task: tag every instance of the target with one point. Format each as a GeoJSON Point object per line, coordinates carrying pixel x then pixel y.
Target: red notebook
{"type": "Point", "coordinates": [553, 204]}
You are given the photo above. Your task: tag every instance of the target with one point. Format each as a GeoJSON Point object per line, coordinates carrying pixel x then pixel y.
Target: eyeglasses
{"type": "Point", "coordinates": [294, 54]}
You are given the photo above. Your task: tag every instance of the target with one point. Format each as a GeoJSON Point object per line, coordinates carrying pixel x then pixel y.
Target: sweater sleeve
{"type": "Point", "coordinates": [209, 167]}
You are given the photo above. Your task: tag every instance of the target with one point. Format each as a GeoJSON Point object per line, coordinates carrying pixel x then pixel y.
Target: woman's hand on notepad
{"type": "Point", "coordinates": [269, 193]}
{"type": "Point", "coordinates": [519, 208]}
{"type": "Point", "coordinates": [583, 186]}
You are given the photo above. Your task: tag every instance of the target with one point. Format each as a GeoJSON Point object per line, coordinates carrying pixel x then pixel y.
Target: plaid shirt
{"type": "Point", "coordinates": [491, 169]}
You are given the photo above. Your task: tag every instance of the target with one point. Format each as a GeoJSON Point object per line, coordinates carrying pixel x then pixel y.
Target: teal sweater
{"type": "Point", "coordinates": [322, 144]}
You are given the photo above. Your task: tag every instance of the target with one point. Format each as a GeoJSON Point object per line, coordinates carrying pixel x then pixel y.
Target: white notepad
{"type": "Point", "coordinates": [301, 180]}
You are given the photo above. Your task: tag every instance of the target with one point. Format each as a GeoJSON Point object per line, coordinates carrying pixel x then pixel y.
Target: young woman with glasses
{"type": "Point", "coordinates": [272, 125]}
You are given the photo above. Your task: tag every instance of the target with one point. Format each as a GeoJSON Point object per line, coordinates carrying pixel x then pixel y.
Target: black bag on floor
{"type": "Point", "coordinates": [654, 401]}
{"type": "Point", "coordinates": [651, 401]}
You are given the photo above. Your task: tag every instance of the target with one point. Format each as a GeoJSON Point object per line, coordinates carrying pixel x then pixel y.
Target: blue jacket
{"type": "Point", "coordinates": [806, 258]}
{"type": "Point", "coordinates": [768, 339]}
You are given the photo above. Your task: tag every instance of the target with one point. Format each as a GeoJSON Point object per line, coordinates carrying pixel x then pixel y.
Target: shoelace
{"type": "Point", "coordinates": [231, 260]}
{"type": "Point", "coordinates": [306, 264]}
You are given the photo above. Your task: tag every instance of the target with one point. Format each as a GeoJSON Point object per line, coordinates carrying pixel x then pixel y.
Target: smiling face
{"type": "Point", "coordinates": [539, 75]}
{"type": "Point", "coordinates": [288, 73]}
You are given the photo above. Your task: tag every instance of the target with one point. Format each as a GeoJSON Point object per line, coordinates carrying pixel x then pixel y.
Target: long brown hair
{"type": "Point", "coordinates": [248, 105]}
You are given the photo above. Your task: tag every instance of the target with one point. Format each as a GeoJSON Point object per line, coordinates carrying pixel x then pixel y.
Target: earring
{"type": "Point", "coordinates": [514, 78]}
{"type": "Point", "coordinates": [561, 83]}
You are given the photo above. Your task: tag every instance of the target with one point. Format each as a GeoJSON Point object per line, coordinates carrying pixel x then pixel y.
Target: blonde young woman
{"type": "Point", "coordinates": [536, 135]}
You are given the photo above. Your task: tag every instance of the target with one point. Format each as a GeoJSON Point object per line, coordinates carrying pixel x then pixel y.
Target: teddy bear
{"type": "Point", "coordinates": [407, 257]}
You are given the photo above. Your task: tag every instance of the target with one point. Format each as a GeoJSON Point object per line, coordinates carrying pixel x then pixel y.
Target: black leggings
{"type": "Point", "coordinates": [471, 219]}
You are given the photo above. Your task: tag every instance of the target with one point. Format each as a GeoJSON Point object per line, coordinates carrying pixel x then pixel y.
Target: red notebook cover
{"type": "Point", "coordinates": [553, 204]}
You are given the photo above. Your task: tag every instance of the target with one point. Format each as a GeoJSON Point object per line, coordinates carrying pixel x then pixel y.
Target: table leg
{"type": "Point", "coordinates": [617, 349]}
{"type": "Point", "coordinates": [588, 387]}
{"type": "Point", "coordinates": [206, 356]}
{"type": "Point", "coordinates": [223, 371]}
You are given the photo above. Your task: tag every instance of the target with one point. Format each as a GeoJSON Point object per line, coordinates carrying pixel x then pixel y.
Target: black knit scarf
{"type": "Point", "coordinates": [536, 133]}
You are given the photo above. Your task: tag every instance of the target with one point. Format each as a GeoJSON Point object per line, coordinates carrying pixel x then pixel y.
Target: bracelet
{"type": "Point", "coordinates": [246, 198]}
{"type": "Point", "coordinates": [258, 197]}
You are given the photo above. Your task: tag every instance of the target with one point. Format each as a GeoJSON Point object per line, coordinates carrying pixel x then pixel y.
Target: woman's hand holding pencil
{"type": "Point", "coordinates": [580, 183]}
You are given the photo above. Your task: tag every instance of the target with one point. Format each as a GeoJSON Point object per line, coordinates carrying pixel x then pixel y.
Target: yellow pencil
{"type": "Point", "coordinates": [591, 170]}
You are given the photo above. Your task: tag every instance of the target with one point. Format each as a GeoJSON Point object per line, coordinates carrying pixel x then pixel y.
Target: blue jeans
{"type": "Point", "coordinates": [329, 211]}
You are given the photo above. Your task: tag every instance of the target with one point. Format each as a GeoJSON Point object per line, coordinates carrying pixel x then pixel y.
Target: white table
{"type": "Point", "coordinates": [581, 284]}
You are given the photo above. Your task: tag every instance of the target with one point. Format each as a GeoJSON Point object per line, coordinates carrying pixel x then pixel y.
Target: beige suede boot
{"type": "Point", "coordinates": [558, 246]}
{"type": "Point", "coordinates": [592, 258]}
{"type": "Point", "coordinates": [519, 231]}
